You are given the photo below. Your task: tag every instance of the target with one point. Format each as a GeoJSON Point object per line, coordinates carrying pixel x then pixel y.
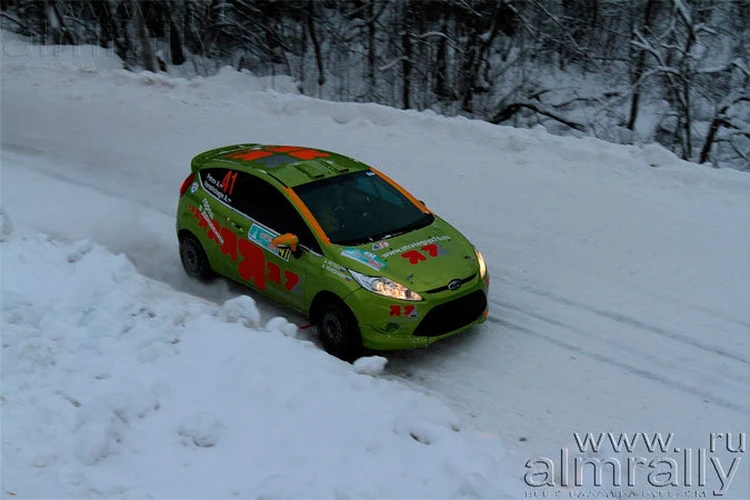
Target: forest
{"type": "Point", "coordinates": [675, 72]}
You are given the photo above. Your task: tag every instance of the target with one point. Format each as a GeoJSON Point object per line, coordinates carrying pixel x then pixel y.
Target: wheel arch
{"type": "Point", "coordinates": [322, 298]}
{"type": "Point", "coordinates": [186, 232]}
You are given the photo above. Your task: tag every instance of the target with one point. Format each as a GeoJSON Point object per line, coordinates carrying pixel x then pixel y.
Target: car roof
{"type": "Point", "coordinates": [290, 165]}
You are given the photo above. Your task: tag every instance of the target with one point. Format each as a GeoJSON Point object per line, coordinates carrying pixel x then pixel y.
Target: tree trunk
{"type": "Point", "coordinates": [688, 132]}
{"type": "Point", "coordinates": [176, 43]}
{"type": "Point", "coordinates": [406, 64]}
{"type": "Point", "coordinates": [371, 83]}
{"type": "Point", "coordinates": [106, 23]}
{"type": "Point", "coordinates": [441, 67]}
{"type": "Point", "coordinates": [641, 64]}
{"type": "Point", "coordinates": [477, 54]}
{"type": "Point", "coordinates": [711, 136]}
{"type": "Point", "coordinates": [147, 53]}
{"type": "Point", "coordinates": [316, 44]}
{"type": "Point", "coordinates": [468, 76]}
{"type": "Point", "coordinates": [56, 24]}
{"type": "Point", "coordinates": [687, 77]}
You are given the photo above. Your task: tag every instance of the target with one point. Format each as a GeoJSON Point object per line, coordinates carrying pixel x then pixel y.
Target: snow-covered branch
{"type": "Point", "coordinates": [391, 64]}
{"type": "Point", "coordinates": [511, 109]}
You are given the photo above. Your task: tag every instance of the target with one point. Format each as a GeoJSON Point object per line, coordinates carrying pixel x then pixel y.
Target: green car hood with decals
{"type": "Point", "coordinates": [424, 259]}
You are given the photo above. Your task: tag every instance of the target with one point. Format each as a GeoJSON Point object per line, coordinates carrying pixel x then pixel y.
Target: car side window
{"type": "Point", "coordinates": [220, 182]}
{"type": "Point", "coordinates": [264, 203]}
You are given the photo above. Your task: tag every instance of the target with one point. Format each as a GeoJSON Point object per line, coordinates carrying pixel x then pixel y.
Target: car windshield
{"type": "Point", "coordinates": [361, 206]}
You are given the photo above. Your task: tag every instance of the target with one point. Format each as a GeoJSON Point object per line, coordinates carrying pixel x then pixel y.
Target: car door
{"type": "Point", "coordinates": [264, 212]}
{"type": "Point", "coordinates": [216, 214]}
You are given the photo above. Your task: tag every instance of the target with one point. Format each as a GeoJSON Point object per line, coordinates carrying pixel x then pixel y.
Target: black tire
{"type": "Point", "coordinates": [194, 258]}
{"type": "Point", "coordinates": [339, 332]}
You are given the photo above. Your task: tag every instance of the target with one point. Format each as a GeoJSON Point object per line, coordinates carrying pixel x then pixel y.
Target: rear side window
{"type": "Point", "coordinates": [264, 203]}
{"type": "Point", "coordinates": [221, 183]}
{"type": "Point", "coordinates": [259, 201]}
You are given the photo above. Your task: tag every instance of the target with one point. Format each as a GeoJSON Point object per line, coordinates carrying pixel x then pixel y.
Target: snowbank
{"type": "Point", "coordinates": [115, 385]}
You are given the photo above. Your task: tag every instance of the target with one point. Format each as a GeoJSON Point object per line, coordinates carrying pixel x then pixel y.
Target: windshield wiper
{"type": "Point", "coordinates": [417, 224]}
{"type": "Point", "coordinates": [352, 241]}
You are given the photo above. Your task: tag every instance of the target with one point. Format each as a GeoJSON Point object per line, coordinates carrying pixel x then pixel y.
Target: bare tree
{"type": "Point", "coordinates": [640, 57]}
{"type": "Point", "coordinates": [144, 42]}
{"type": "Point", "coordinates": [504, 61]}
{"type": "Point", "coordinates": [174, 12]}
{"type": "Point", "coordinates": [316, 44]}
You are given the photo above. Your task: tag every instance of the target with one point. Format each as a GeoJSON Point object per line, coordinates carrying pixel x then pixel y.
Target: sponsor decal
{"type": "Point", "coordinates": [334, 268]}
{"type": "Point", "coordinates": [263, 238]}
{"type": "Point", "coordinates": [250, 258]}
{"type": "Point", "coordinates": [208, 217]}
{"type": "Point", "coordinates": [218, 189]}
{"type": "Point", "coordinates": [193, 188]}
{"type": "Point", "coordinates": [409, 311]}
{"type": "Point", "coordinates": [380, 245]}
{"type": "Point", "coordinates": [416, 244]}
{"type": "Point", "coordinates": [417, 256]}
{"type": "Point", "coordinates": [291, 280]}
{"type": "Point", "coordinates": [364, 257]}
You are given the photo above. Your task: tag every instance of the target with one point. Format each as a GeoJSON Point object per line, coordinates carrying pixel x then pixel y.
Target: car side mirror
{"type": "Point", "coordinates": [286, 240]}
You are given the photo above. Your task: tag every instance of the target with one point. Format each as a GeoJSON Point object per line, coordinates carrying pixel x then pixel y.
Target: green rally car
{"type": "Point", "coordinates": [332, 238]}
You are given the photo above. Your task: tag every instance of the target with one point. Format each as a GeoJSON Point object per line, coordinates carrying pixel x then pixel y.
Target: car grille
{"type": "Point", "coordinates": [452, 315]}
{"type": "Point", "coordinates": [445, 287]}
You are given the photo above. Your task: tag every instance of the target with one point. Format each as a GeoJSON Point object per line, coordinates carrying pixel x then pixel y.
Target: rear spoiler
{"type": "Point", "coordinates": [216, 154]}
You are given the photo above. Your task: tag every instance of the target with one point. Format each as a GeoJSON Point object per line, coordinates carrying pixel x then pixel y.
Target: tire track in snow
{"type": "Point", "coordinates": [555, 322]}
{"type": "Point", "coordinates": [630, 321]}
{"type": "Point", "coordinates": [700, 372]}
{"type": "Point", "coordinates": [649, 375]}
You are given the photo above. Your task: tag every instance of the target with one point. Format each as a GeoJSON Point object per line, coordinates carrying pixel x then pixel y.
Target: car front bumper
{"type": "Point", "coordinates": [390, 324]}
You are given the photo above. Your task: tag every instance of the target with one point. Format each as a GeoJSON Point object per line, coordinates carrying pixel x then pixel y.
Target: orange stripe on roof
{"type": "Point", "coordinates": [308, 154]}
{"type": "Point", "coordinates": [282, 149]}
{"type": "Point", "coordinates": [403, 191]}
{"type": "Point", "coordinates": [248, 154]}
{"type": "Point", "coordinates": [308, 215]}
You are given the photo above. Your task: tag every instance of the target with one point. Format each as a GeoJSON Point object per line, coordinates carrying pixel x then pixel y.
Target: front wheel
{"type": "Point", "coordinates": [194, 258]}
{"type": "Point", "coordinates": [339, 332]}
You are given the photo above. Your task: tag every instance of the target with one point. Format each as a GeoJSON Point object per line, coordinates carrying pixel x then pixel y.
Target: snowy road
{"type": "Point", "coordinates": [620, 293]}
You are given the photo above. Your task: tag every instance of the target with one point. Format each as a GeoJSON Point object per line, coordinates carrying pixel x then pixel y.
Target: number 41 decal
{"type": "Point", "coordinates": [227, 183]}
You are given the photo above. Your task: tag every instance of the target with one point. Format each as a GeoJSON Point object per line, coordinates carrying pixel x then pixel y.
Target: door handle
{"type": "Point", "coordinates": [237, 227]}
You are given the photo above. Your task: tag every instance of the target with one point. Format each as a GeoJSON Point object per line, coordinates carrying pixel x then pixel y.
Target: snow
{"type": "Point", "coordinates": [281, 325]}
{"type": "Point", "coordinates": [241, 310]}
{"type": "Point", "coordinates": [370, 365]}
{"type": "Point", "coordinates": [619, 301]}
{"type": "Point", "coordinates": [117, 385]}
{"type": "Point", "coordinates": [6, 226]}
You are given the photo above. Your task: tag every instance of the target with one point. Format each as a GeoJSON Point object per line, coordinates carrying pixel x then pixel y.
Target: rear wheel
{"type": "Point", "coordinates": [194, 258]}
{"type": "Point", "coordinates": [339, 331]}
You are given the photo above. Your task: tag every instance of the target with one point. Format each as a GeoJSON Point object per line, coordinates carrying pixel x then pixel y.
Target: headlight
{"type": "Point", "coordinates": [384, 286]}
{"type": "Point", "coordinates": [482, 264]}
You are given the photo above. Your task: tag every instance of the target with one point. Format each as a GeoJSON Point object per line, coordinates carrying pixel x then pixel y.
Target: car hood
{"type": "Point", "coordinates": [422, 260]}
